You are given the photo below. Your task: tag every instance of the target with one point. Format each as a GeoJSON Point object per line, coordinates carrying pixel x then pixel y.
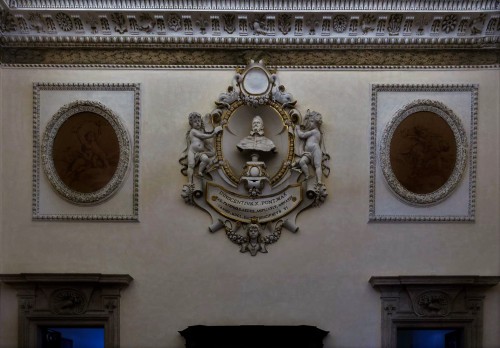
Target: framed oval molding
{"type": "Point", "coordinates": [86, 151]}
{"type": "Point", "coordinates": [423, 153]}
{"type": "Point", "coordinates": [240, 114]}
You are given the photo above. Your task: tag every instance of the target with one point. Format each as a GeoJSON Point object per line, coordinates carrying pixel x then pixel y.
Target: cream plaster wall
{"type": "Point", "coordinates": [1, 173]}
{"type": "Point", "coordinates": [1, 199]}
{"type": "Point", "coordinates": [186, 276]}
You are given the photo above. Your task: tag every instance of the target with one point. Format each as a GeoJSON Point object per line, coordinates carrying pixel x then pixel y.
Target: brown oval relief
{"type": "Point", "coordinates": [86, 152]}
{"type": "Point", "coordinates": [423, 152]}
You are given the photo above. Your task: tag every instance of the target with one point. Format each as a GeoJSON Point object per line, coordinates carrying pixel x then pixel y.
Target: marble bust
{"type": "Point", "coordinates": [256, 141]}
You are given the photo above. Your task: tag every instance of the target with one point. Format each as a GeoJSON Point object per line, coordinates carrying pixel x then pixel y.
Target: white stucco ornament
{"type": "Point", "coordinates": [254, 163]}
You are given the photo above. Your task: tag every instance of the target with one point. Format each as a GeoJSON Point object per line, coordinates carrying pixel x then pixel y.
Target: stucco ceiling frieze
{"type": "Point", "coordinates": [266, 5]}
{"type": "Point", "coordinates": [340, 33]}
{"type": "Point", "coordinates": [242, 24]}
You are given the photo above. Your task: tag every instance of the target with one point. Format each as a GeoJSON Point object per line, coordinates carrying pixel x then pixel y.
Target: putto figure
{"type": "Point", "coordinates": [200, 150]}
{"type": "Point", "coordinates": [312, 149]}
{"type": "Point", "coordinates": [256, 141]}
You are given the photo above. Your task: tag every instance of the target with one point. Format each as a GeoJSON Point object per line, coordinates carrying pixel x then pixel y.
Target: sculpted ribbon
{"type": "Point", "coordinates": [243, 208]}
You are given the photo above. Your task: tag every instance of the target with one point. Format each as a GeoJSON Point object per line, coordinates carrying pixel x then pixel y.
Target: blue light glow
{"type": "Point", "coordinates": [83, 337]}
{"type": "Point", "coordinates": [424, 338]}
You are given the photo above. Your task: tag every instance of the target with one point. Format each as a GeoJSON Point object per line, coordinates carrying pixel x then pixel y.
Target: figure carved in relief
{"type": "Point", "coordinates": [279, 94]}
{"type": "Point", "coordinates": [311, 151]}
{"type": "Point", "coordinates": [90, 149]}
{"type": "Point", "coordinates": [259, 27]}
{"type": "Point", "coordinates": [282, 97]}
{"type": "Point", "coordinates": [200, 150]}
{"type": "Point", "coordinates": [254, 244]}
{"type": "Point", "coordinates": [86, 154]}
{"type": "Point", "coordinates": [256, 141]}
{"type": "Point", "coordinates": [232, 94]}
{"type": "Point", "coordinates": [225, 99]}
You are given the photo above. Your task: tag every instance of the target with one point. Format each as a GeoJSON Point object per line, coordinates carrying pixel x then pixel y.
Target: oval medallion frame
{"type": "Point", "coordinates": [284, 118]}
{"type": "Point", "coordinates": [256, 81]}
{"type": "Point", "coordinates": [455, 125]}
{"type": "Point", "coordinates": [47, 148]}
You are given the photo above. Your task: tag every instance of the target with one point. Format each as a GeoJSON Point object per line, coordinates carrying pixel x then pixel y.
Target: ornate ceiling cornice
{"type": "Point", "coordinates": [250, 24]}
{"type": "Point", "coordinates": [30, 30]}
{"type": "Point", "coordinates": [258, 5]}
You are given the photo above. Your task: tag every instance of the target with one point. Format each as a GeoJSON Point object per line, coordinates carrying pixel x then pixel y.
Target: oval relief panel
{"type": "Point", "coordinates": [423, 152]}
{"type": "Point", "coordinates": [85, 152]}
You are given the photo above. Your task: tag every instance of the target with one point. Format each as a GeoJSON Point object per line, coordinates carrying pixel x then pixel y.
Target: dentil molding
{"type": "Point", "coordinates": [267, 5]}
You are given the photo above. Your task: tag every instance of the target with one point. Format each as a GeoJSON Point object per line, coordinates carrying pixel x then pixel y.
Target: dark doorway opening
{"type": "Point", "coordinates": [430, 338]}
{"type": "Point", "coordinates": [72, 337]}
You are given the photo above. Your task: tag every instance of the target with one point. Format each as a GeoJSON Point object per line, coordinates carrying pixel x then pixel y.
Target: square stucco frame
{"type": "Point", "coordinates": [381, 194]}
{"type": "Point", "coordinates": [44, 196]}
